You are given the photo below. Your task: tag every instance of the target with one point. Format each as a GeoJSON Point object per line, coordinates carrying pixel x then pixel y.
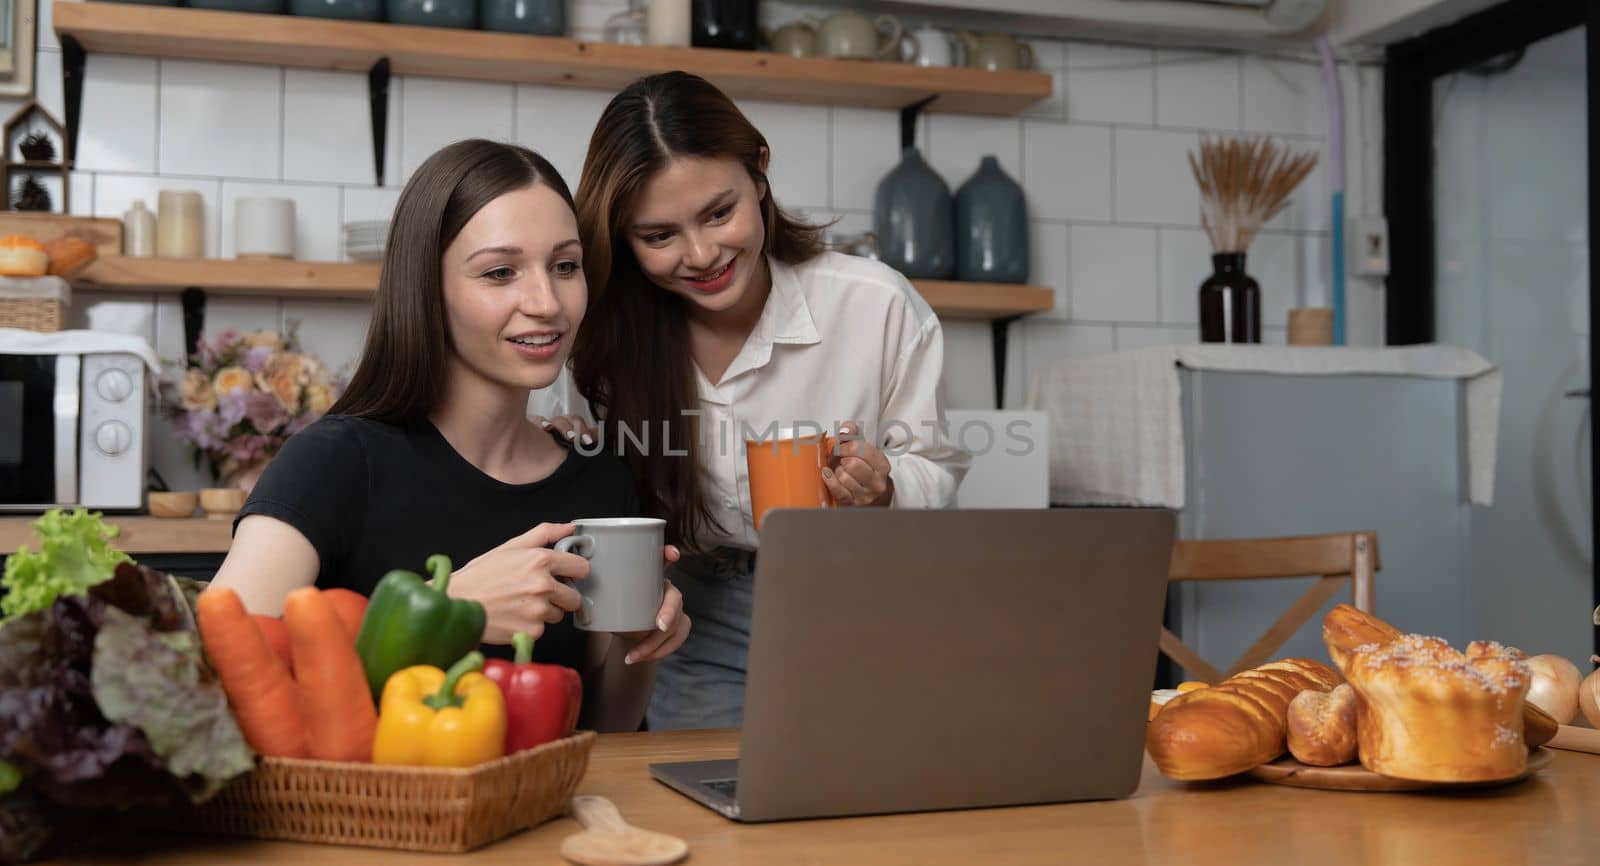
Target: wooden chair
{"type": "Point", "coordinates": [1351, 556]}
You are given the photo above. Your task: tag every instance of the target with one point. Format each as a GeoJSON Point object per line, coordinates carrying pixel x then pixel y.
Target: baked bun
{"type": "Point", "coordinates": [1322, 726]}
{"type": "Point", "coordinates": [1345, 629]}
{"type": "Point", "coordinates": [1235, 725]}
{"type": "Point", "coordinates": [68, 255]}
{"type": "Point", "coordinates": [1429, 713]}
{"type": "Point", "coordinates": [22, 256]}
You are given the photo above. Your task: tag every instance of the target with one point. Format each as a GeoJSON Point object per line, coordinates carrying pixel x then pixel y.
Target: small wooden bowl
{"type": "Point", "coordinates": [221, 503]}
{"type": "Point", "coordinates": [179, 503]}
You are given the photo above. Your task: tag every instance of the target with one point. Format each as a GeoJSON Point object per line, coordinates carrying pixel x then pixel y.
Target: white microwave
{"type": "Point", "coordinates": [73, 430]}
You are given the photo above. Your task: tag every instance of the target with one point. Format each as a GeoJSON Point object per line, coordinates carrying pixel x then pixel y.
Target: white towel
{"type": "Point", "coordinates": [1116, 420]}
{"type": "Point", "coordinates": [15, 341]}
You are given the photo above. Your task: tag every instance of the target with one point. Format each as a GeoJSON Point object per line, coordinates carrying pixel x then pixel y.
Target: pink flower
{"type": "Point", "coordinates": [256, 358]}
{"type": "Point", "coordinates": [264, 413]}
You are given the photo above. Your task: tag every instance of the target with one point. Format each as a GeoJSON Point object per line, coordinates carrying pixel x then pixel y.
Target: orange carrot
{"type": "Point", "coordinates": [277, 635]}
{"type": "Point", "coordinates": [335, 699]}
{"type": "Point", "coordinates": [351, 606]}
{"type": "Point", "coordinates": [258, 685]}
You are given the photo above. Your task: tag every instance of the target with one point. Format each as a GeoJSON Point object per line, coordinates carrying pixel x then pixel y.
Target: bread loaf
{"type": "Point", "coordinates": [68, 255]}
{"type": "Point", "coordinates": [22, 256]}
{"type": "Point", "coordinates": [1322, 727]}
{"type": "Point", "coordinates": [1346, 629]}
{"type": "Point", "coordinates": [1235, 725]}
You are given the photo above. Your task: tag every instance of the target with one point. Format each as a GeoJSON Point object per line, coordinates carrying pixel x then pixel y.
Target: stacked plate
{"type": "Point", "coordinates": [364, 240]}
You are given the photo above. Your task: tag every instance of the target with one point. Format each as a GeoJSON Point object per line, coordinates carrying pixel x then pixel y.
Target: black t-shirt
{"type": "Point", "coordinates": [372, 497]}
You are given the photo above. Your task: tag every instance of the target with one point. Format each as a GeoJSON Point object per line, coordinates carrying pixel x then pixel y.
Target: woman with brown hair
{"type": "Point", "coordinates": [429, 450]}
{"type": "Point", "coordinates": [714, 316]}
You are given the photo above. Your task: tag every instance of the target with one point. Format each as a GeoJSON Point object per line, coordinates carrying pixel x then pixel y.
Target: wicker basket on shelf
{"type": "Point", "coordinates": [408, 808]}
{"type": "Point", "coordinates": [34, 303]}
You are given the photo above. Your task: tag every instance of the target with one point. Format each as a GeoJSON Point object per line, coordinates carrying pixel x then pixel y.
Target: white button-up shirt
{"type": "Point", "coordinates": [841, 339]}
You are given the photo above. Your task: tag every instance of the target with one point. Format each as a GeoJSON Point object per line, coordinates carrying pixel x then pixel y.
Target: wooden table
{"type": "Point", "coordinates": [1551, 819]}
{"type": "Point", "coordinates": [137, 534]}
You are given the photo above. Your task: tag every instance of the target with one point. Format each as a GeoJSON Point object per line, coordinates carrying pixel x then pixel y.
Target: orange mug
{"type": "Point", "coordinates": [786, 471]}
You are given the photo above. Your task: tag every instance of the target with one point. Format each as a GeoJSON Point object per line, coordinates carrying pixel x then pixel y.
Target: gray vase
{"type": "Point", "coordinates": [913, 219]}
{"type": "Point", "coordinates": [536, 17]}
{"type": "Point", "coordinates": [991, 227]}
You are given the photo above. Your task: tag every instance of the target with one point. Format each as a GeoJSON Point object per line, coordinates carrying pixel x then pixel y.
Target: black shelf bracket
{"type": "Point", "coordinates": [194, 321]}
{"type": "Point", "coordinates": [1001, 332]}
{"type": "Point", "coordinates": [378, 99]}
{"type": "Point", "coordinates": [73, 60]}
{"type": "Point", "coordinates": [908, 121]}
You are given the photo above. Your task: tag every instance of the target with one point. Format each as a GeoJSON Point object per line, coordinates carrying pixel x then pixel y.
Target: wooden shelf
{"type": "Point", "coordinates": [287, 40]}
{"type": "Point", "coordinates": [984, 301]}
{"type": "Point", "coordinates": [137, 535]}
{"type": "Point", "coordinates": [297, 279]}
{"type": "Point", "coordinates": [278, 277]}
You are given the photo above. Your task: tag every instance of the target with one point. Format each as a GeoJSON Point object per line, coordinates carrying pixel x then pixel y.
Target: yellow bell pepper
{"type": "Point", "coordinates": [431, 718]}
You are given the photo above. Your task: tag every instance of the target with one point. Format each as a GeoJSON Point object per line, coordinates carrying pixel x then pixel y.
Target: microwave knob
{"type": "Point", "coordinates": [114, 385]}
{"type": "Point", "coordinates": [113, 438]}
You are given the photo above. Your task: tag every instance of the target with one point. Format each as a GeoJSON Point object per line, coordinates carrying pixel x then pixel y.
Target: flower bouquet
{"type": "Point", "coordinates": [243, 395]}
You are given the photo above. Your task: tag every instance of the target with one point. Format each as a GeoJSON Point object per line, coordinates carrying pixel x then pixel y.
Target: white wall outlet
{"type": "Point", "coordinates": [1369, 246]}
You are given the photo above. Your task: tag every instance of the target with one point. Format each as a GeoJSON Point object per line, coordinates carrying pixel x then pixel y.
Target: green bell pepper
{"type": "Point", "coordinates": [412, 622]}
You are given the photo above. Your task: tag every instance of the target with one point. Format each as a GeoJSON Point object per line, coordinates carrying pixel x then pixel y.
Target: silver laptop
{"type": "Point", "coordinates": [906, 661]}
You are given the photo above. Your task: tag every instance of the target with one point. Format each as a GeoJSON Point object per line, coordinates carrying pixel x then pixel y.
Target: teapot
{"type": "Point", "coordinates": [855, 36]}
{"type": "Point", "coordinates": [995, 51]}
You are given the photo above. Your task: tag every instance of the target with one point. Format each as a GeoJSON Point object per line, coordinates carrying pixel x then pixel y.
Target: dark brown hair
{"type": "Point", "coordinates": [631, 357]}
{"type": "Point", "coordinates": [401, 375]}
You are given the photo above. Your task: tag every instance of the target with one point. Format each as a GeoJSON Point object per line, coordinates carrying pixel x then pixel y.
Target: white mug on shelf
{"type": "Point", "coordinates": [264, 227]}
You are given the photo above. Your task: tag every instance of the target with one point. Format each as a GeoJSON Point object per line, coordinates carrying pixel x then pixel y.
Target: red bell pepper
{"type": "Point", "coordinates": [542, 701]}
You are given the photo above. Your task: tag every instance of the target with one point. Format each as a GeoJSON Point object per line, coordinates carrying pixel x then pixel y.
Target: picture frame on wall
{"type": "Point", "coordinates": [17, 47]}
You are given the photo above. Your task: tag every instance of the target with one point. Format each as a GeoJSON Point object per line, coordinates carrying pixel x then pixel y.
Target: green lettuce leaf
{"type": "Point", "coordinates": [10, 778]}
{"type": "Point", "coordinates": [157, 683]}
{"type": "Point", "coordinates": [74, 554]}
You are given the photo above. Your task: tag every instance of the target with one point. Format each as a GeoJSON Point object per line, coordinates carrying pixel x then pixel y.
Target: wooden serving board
{"type": "Point", "coordinates": [1354, 777]}
{"type": "Point", "coordinates": [1576, 739]}
{"type": "Point", "coordinates": [105, 234]}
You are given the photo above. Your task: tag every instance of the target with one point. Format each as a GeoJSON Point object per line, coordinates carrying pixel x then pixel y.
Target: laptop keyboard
{"type": "Point", "coordinates": [725, 787]}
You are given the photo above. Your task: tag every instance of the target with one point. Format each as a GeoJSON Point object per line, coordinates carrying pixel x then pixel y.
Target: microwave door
{"type": "Point", "coordinates": [39, 408]}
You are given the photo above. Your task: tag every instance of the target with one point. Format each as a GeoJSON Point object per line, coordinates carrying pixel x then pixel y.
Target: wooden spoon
{"type": "Point", "coordinates": [607, 840]}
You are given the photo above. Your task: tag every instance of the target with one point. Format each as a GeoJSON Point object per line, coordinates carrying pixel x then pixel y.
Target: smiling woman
{"type": "Point", "coordinates": [428, 451]}
{"type": "Point", "coordinates": [714, 311]}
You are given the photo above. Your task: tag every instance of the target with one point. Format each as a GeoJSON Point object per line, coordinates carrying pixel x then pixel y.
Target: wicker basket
{"type": "Point", "coordinates": [409, 808]}
{"type": "Point", "coordinates": [34, 303]}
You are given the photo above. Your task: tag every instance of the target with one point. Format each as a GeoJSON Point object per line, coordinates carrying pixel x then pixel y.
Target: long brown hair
{"type": "Point", "coordinates": [401, 375]}
{"type": "Point", "coordinates": [631, 357]}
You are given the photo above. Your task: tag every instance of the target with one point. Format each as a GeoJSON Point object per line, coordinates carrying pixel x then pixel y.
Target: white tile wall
{"type": "Point", "coordinates": [867, 146]}
{"type": "Point", "coordinates": [1047, 246]}
{"type": "Point", "coordinates": [797, 137]}
{"type": "Point", "coordinates": [1103, 161]}
{"type": "Point", "coordinates": [548, 120]}
{"type": "Point", "coordinates": [1197, 89]}
{"type": "Point", "coordinates": [119, 114]}
{"type": "Point", "coordinates": [1153, 178]}
{"type": "Point", "coordinates": [1113, 273]}
{"type": "Point", "coordinates": [1066, 170]}
{"type": "Point", "coordinates": [436, 112]}
{"type": "Point", "coordinates": [1109, 84]}
{"type": "Point", "coordinates": [220, 119]}
{"type": "Point", "coordinates": [327, 126]}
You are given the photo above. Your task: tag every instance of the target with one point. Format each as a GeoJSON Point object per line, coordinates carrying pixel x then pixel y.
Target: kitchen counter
{"type": "Point", "coordinates": [1547, 820]}
{"type": "Point", "coordinates": [138, 534]}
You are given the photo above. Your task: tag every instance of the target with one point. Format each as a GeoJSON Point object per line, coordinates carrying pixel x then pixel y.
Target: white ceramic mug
{"type": "Point", "coordinates": [264, 227]}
